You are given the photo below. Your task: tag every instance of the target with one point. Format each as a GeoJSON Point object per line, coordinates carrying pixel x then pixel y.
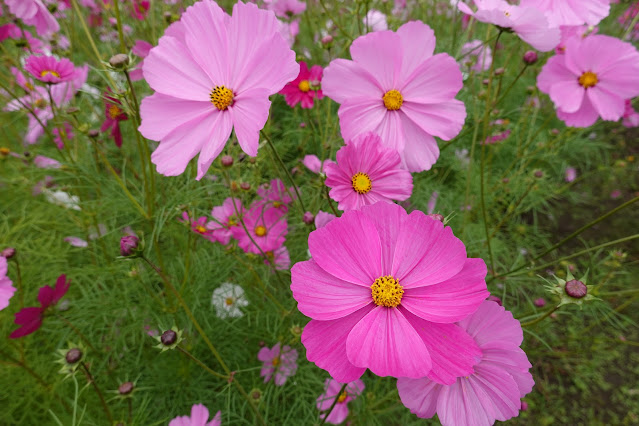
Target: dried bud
{"type": "Point", "coordinates": [9, 252]}
{"type": "Point", "coordinates": [245, 186]}
{"type": "Point", "coordinates": [308, 218]}
{"type": "Point", "coordinates": [576, 289]}
{"type": "Point", "coordinates": [125, 388]}
{"type": "Point", "coordinates": [227, 161]}
{"type": "Point", "coordinates": [119, 61]}
{"type": "Point", "coordinates": [485, 81]}
{"type": "Point", "coordinates": [437, 216]}
{"type": "Point", "coordinates": [500, 71]}
{"type": "Point", "coordinates": [168, 338]}
{"type": "Point", "coordinates": [73, 356]}
{"type": "Point", "coordinates": [129, 245]}
{"type": "Point", "coordinates": [530, 57]}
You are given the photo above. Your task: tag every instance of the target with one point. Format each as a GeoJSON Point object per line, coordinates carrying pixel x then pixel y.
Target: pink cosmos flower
{"type": "Point", "coordinates": [593, 79]}
{"type": "Point", "coordinates": [495, 388]}
{"type": "Point", "coordinates": [279, 362]}
{"type": "Point", "coordinates": [383, 289]}
{"type": "Point", "coordinates": [141, 49]}
{"type": "Point", "coordinates": [286, 8]}
{"type": "Point", "coordinates": [314, 164]}
{"type": "Point", "coordinates": [225, 218]}
{"type": "Point", "coordinates": [274, 194]}
{"type": "Point", "coordinates": [62, 134]}
{"type": "Point", "coordinates": [571, 12]}
{"type": "Point", "coordinates": [30, 319]}
{"type": "Point", "coordinates": [571, 174]}
{"type": "Point", "coordinates": [43, 162]}
{"type": "Point", "coordinates": [375, 21]}
{"type": "Point", "coordinates": [397, 89]}
{"type": "Point", "coordinates": [204, 90]}
{"type": "Point", "coordinates": [199, 417]}
{"type": "Point", "coordinates": [113, 115]}
{"type": "Point", "coordinates": [199, 226]}
{"type": "Point", "coordinates": [10, 31]}
{"type": "Point", "coordinates": [6, 285]}
{"type": "Point", "coordinates": [331, 391]}
{"type": "Point", "coordinates": [630, 116]}
{"type": "Point", "coordinates": [34, 12]}
{"type": "Point", "coordinates": [528, 23]}
{"type": "Point", "coordinates": [322, 218]}
{"type": "Point", "coordinates": [49, 70]}
{"type": "Point", "coordinates": [432, 202]}
{"type": "Point", "coordinates": [266, 225]}
{"type": "Point", "coordinates": [367, 172]}
{"type": "Point", "coordinates": [140, 9]}
{"type": "Point", "coordinates": [279, 258]}
{"type": "Point", "coordinates": [567, 33]}
{"type": "Point", "coordinates": [76, 242]}
{"type": "Point", "coordinates": [628, 18]}
{"type": "Point", "coordinates": [305, 87]}
{"type": "Point", "coordinates": [477, 56]}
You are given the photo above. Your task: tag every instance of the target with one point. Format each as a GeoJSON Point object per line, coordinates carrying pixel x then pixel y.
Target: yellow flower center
{"type": "Point", "coordinates": [29, 86]}
{"type": "Point", "coordinates": [362, 183]}
{"type": "Point", "coordinates": [588, 79]}
{"type": "Point", "coordinates": [232, 221]}
{"type": "Point", "coordinates": [270, 255]}
{"type": "Point", "coordinates": [229, 301]}
{"type": "Point", "coordinates": [44, 73]}
{"type": "Point", "coordinates": [200, 229]}
{"type": "Point", "coordinates": [342, 397]}
{"type": "Point", "coordinates": [40, 103]}
{"type": "Point", "coordinates": [221, 97]}
{"type": "Point", "coordinates": [276, 361]}
{"type": "Point", "coordinates": [393, 100]}
{"type": "Point", "coordinates": [387, 292]}
{"type": "Point", "coordinates": [260, 231]}
{"type": "Point", "coordinates": [5, 151]}
{"type": "Point", "coordinates": [304, 86]}
{"type": "Point", "coordinates": [114, 111]}
{"type": "Point", "coordinates": [277, 204]}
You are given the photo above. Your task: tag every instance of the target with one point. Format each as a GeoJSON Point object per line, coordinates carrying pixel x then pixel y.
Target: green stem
{"type": "Point", "coordinates": [201, 364]}
{"type": "Point", "coordinates": [91, 380]}
{"type": "Point", "coordinates": [541, 318]}
{"type": "Point", "coordinates": [78, 332]}
{"type": "Point", "coordinates": [116, 7]}
{"type": "Point", "coordinates": [330, 410]}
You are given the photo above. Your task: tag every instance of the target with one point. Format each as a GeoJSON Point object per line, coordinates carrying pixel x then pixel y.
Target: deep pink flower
{"type": "Point", "coordinates": [571, 12]}
{"type": "Point", "coordinates": [592, 79]}
{"type": "Point", "coordinates": [528, 23]}
{"type": "Point", "coordinates": [140, 9]}
{"type": "Point", "coordinates": [314, 164]}
{"type": "Point", "coordinates": [50, 70]}
{"type": "Point", "coordinates": [275, 194]}
{"type": "Point", "coordinates": [199, 417]}
{"type": "Point", "coordinates": [204, 90]}
{"type": "Point", "coordinates": [367, 172]}
{"type": "Point", "coordinates": [266, 225]}
{"type": "Point", "coordinates": [571, 174]}
{"type": "Point", "coordinates": [383, 289]}
{"type": "Point", "coordinates": [30, 319]}
{"type": "Point", "coordinates": [331, 391]}
{"type": "Point", "coordinates": [495, 388]}
{"type": "Point", "coordinates": [199, 226]}
{"type": "Point", "coordinates": [279, 362]}
{"type": "Point", "coordinates": [630, 116]}
{"type": "Point", "coordinates": [6, 285]}
{"type": "Point", "coordinates": [10, 31]}
{"type": "Point", "coordinates": [62, 134]}
{"type": "Point", "coordinates": [141, 49]}
{"type": "Point", "coordinates": [396, 88]}
{"type": "Point", "coordinates": [477, 56]}
{"type": "Point", "coordinates": [34, 12]}
{"type": "Point", "coordinates": [305, 88]}
{"type": "Point", "coordinates": [286, 8]}
{"type": "Point", "coordinates": [113, 113]}
{"type": "Point", "coordinates": [225, 217]}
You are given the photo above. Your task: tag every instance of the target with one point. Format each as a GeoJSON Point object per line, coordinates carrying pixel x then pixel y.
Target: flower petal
{"type": "Point", "coordinates": [344, 79]}
{"type": "Point", "coordinates": [250, 112]}
{"type": "Point", "coordinates": [419, 395]}
{"type": "Point", "coordinates": [378, 53]}
{"type": "Point", "coordinates": [161, 114]}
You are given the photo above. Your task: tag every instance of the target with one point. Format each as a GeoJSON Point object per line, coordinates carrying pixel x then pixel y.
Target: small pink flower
{"type": "Point", "coordinates": [540, 303]}
{"type": "Point", "coordinates": [199, 226]}
{"type": "Point", "coordinates": [275, 194]}
{"type": "Point", "coordinates": [383, 289]}
{"type": "Point", "coordinates": [50, 70]}
{"type": "Point", "coordinates": [367, 172]}
{"type": "Point", "coordinates": [113, 115]}
{"type": "Point", "coordinates": [140, 9]}
{"type": "Point", "coordinates": [477, 56]}
{"type": "Point", "coordinates": [493, 391]}
{"type": "Point", "coordinates": [528, 23]}
{"type": "Point", "coordinates": [630, 116]}
{"type": "Point", "coordinates": [46, 163]}
{"type": "Point", "coordinates": [398, 89]}
{"type": "Point", "coordinates": [592, 79]}
{"type": "Point", "coordinates": [331, 391]}
{"type": "Point", "coordinates": [225, 217]}
{"type": "Point", "coordinates": [281, 363]}
{"type": "Point", "coordinates": [571, 12]}
{"type": "Point", "coordinates": [571, 174]}
{"type": "Point", "coordinates": [286, 8]}
{"type": "Point", "coordinates": [66, 133]}
{"type": "Point", "coordinates": [616, 194]}
{"type": "Point", "coordinates": [141, 49]}
{"type": "Point", "coordinates": [6, 285]}
{"type": "Point", "coordinates": [305, 88]}
{"type": "Point", "coordinates": [375, 21]}
{"type": "Point", "coordinates": [322, 218]}
{"type": "Point", "coordinates": [34, 12]}
{"type": "Point", "coordinates": [280, 258]}
{"type": "Point", "coordinates": [314, 164]}
{"type": "Point", "coordinates": [76, 242]}
{"type": "Point", "coordinates": [266, 225]}
{"type": "Point", "coordinates": [199, 417]}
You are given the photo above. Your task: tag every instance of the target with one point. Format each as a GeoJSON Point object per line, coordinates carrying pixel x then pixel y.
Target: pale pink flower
{"type": "Point", "coordinates": [592, 79]}
{"type": "Point", "coordinates": [199, 417]}
{"type": "Point", "coordinates": [383, 289]}
{"type": "Point", "coordinates": [46, 163]}
{"type": "Point", "coordinates": [477, 56]}
{"type": "Point", "coordinates": [331, 391]}
{"type": "Point", "coordinates": [616, 194]}
{"type": "Point", "coordinates": [275, 194]}
{"type": "Point", "coordinates": [396, 88]}
{"type": "Point", "coordinates": [495, 388]}
{"type": "Point", "coordinates": [34, 12]}
{"type": "Point", "coordinates": [571, 12]}
{"type": "Point", "coordinates": [62, 134]}
{"type": "Point", "coordinates": [571, 174]}
{"type": "Point", "coordinates": [630, 116]}
{"type": "Point", "coordinates": [322, 218]}
{"type": "Point", "coordinates": [305, 88]}
{"type": "Point", "coordinates": [205, 90]}
{"type": "Point", "coordinates": [266, 225]}
{"type": "Point", "coordinates": [314, 164]}
{"type": "Point", "coordinates": [286, 8]}
{"type": "Point", "coordinates": [6, 285]}
{"type": "Point", "coordinates": [279, 362]}
{"type": "Point", "coordinates": [528, 23]}
{"type": "Point", "coordinates": [225, 217]}
{"type": "Point", "coordinates": [76, 242]}
{"type": "Point", "coordinates": [50, 70]}
{"type": "Point", "coordinates": [367, 172]}
{"type": "Point", "coordinates": [141, 49]}
{"type": "Point", "coordinates": [375, 21]}
{"type": "Point", "coordinates": [279, 258]}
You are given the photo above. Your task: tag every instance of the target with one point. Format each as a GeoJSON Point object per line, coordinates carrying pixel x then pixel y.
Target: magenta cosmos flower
{"type": "Point", "coordinates": [383, 289]}
{"type": "Point", "coordinates": [225, 217]}
{"type": "Point", "coordinates": [113, 114]}
{"type": "Point", "coordinates": [528, 23]}
{"type": "Point", "coordinates": [34, 12]}
{"type": "Point", "coordinates": [199, 226]}
{"type": "Point", "coordinates": [493, 391]}
{"type": "Point", "coordinates": [592, 79]}
{"type": "Point", "coordinates": [30, 319]}
{"type": "Point", "coordinates": [266, 225]}
{"type": "Point", "coordinates": [199, 417]}
{"type": "Point", "coordinates": [571, 12]}
{"type": "Point", "coordinates": [276, 195]}
{"type": "Point", "coordinates": [204, 90]}
{"type": "Point", "coordinates": [305, 87]}
{"type": "Point", "coordinates": [50, 70]}
{"type": "Point", "coordinates": [396, 88]}
{"type": "Point", "coordinates": [6, 286]}
{"type": "Point", "coordinates": [367, 172]}
{"type": "Point", "coordinates": [281, 362]}
{"type": "Point", "coordinates": [314, 164]}
{"type": "Point", "coordinates": [331, 391]}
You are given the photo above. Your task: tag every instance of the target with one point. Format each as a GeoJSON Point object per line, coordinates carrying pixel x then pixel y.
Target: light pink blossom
{"type": "Point", "coordinates": [322, 218]}
{"type": "Point", "coordinates": [314, 164]}
{"type": "Point", "coordinates": [266, 226]}
{"type": "Point", "coordinates": [46, 163]}
{"type": "Point", "coordinates": [571, 12]}
{"type": "Point", "coordinates": [630, 116]}
{"type": "Point", "coordinates": [281, 362]}
{"type": "Point", "coordinates": [199, 417]}
{"type": "Point", "coordinates": [375, 20]}
{"type": "Point", "coordinates": [34, 12]}
{"type": "Point", "coordinates": [477, 56]}
{"type": "Point", "coordinates": [331, 391]}
{"type": "Point", "coordinates": [76, 242]}
{"type": "Point", "coordinates": [6, 285]}
{"type": "Point", "coordinates": [225, 217]}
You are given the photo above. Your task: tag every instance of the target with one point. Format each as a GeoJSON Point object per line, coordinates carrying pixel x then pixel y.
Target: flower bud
{"type": "Point", "coordinates": [125, 388]}
{"type": "Point", "coordinates": [308, 218]}
{"type": "Point", "coordinates": [327, 40]}
{"type": "Point", "coordinates": [245, 186]}
{"type": "Point", "coordinates": [73, 356]}
{"type": "Point", "coordinates": [500, 71]}
{"type": "Point", "coordinates": [129, 245]}
{"type": "Point", "coordinates": [576, 289]}
{"type": "Point", "coordinates": [530, 57]}
{"type": "Point", "coordinates": [540, 303]}
{"type": "Point", "coordinates": [227, 161]}
{"type": "Point", "coordinates": [539, 174]}
{"type": "Point", "coordinates": [8, 253]}
{"type": "Point", "coordinates": [93, 133]}
{"type": "Point", "coordinates": [168, 338]}
{"type": "Point", "coordinates": [119, 61]}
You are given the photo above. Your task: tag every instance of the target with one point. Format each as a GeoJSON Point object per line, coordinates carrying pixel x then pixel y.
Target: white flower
{"type": "Point", "coordinates": [62, 198]}
{"type": "Point", "coordinates": [228, 299]}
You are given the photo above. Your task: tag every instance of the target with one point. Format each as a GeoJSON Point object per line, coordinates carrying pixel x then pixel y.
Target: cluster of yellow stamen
{"type": "Point", "coordinates": [260, 230]}
{"type": "Point", "coordinates": [393, 100]}
{"type": "Point", "coordinates": [221, 97]}
{"type": "Point", "coordinates": [304, 86]}
{"type": "Point", "coordinates": [114, 111]}
{"type": "Point", "coordinates": [342, 397]}
{"type": "Point", "coordinates": [588, 79]}
{"type": "Point", "coordinates": [387, 292]}
{"type": "Point", "coordinates": [229, 301]}
{"type": "Point", "coordinates": [44, 73]}
{"type": "Point", "coordinates": [200, 229]}
{"type": "Point", "coordinates": [362, 183]}
{"type": "Point", "coordinates": [276, 361]}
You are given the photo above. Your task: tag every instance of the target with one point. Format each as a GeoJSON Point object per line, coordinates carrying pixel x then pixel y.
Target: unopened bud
{"type": "Point", "coordinates": [539, 174]}
{"type": "Point", "coordinates": [530, 57]}
{"type": "Point", "coordinates": [128, 245]}
{"type": "Point", "coordinates": [500, 71]}
{"type": "Point", "coordinates": [125, 388]}
{"type": "Point", "coordinates": [308, 218]}
{"type": "Point", "coordinates": [227, 161]}
{"type": "Point", "coordinates": [8, 253]}
{"type": "Point", "coordinates": [245, 186]}
{"type": "Point", "coordinates": [168, 338]}
{"type": "Point", "coordinates": [73, 356]}
{"type": "Point", "coordinates": [327, 40]}
{"type": "Point", "coordinates": [119, 61]}
{"type": "Point", "coordinates": [576, 289]}
{"type": "Point", "coordinates": [93, 133]}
